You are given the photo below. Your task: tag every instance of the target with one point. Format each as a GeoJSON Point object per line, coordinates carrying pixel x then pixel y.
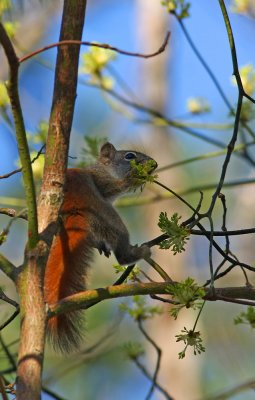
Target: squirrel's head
{"type": "Point", "coordinates": [120, 163]}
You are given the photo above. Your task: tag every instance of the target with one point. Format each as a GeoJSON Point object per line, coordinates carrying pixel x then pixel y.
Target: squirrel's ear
{"type": "Point", "coordinates": [107, 151]}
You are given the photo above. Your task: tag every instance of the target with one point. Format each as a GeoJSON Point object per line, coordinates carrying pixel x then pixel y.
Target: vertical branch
{"type": "Point", "coordinates": [24, 155]}
{"type": "Point", "coordinates": [30, 281]}
{"type": "Point", "coordinates": [61, 117]}
{"type": "Point", "coordinates": [241, 93]}
{"type": "Point", "coordinates": [159, 353]}
{"type": "Point", "coordinates": [232, 45]}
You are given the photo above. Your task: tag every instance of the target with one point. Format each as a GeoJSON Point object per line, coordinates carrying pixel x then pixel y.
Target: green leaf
{"type": "Point", "coordinates": [4, 98]}
{"type": "Point", "coordinates": [187, 294]}
{"type": "Point", "coordinates": [139, 309]}
{"type": "Point", "coordinates": [133, 350]}
{"type": "Point", "coordinates": [178, 234]}
{"type": "Point", "coordinates": [247, 74]}
{"type": "Point", "coordinates": [242, 6]}
{"type": "Point", "coordinates": [94, 62]}
{"type": "Point", "coordinates": [178, 7]}
{"type": "Point", "coordinates": [96, 59]}
{"type": "Point", "coordinates": [192, 339]}
{"type": "Point", "coordinates": [11, 28]}
{"type": "Point", "coordinates": [198, 105]}
{"type": "Point", "coordinates": [142, 173]}
{"type": "Point", "coordinates": [3, 237]}
{"type": "Point", "coordinates": [133, 274]}
{"type": "Point", "coordinates": [5, 5]}
{"type": "Point", "coordinates": [247, 317]}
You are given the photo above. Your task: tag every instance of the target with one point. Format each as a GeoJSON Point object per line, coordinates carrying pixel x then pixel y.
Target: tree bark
{"type": "Point", "coordinates": [30, 281]}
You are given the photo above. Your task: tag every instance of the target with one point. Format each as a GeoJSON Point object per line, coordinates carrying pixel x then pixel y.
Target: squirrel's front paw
{"type": "Point", "coordinates": [133, 254]}
{"type": "Point", "coordinates": [142, 252]}
{"type": "Point", "coordinates": [103, 248]}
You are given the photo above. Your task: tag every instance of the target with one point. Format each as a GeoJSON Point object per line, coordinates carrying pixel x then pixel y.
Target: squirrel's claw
{"type": "Point", "coordinates": [104, 249]}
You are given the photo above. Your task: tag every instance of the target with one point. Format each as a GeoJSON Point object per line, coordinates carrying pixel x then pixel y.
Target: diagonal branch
{"type": "Point", "coordinates": [7, 267]}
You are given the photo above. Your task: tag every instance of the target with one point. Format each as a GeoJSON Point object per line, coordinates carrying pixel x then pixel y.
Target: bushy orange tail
{"type": "Point", "coordinates": [65, 275]}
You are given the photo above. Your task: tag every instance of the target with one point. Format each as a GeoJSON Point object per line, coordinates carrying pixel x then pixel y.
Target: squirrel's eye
{"type": "Point", "coordinates": [130, 156]}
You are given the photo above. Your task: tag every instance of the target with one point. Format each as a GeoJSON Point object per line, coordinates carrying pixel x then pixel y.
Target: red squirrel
{"type": "Point", "coordinates": [89, 220]}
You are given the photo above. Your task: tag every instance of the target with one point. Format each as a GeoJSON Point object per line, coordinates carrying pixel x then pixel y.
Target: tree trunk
{"type": "Point", "coordinates": [30, 281]}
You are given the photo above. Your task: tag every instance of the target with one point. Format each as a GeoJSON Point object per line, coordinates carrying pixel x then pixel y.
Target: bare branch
{"type": "Point", "coordinates": [7, 267]}
{"type": "Point", "coordinates": [10, 319]}
{"type": "Point", "coordinates": [100, 45]}
{"type": "Point", "coordinates": [159, 352]}
{"type": "Point", "coordinates": [12, 88]}
{"type": "Point", "coordinates": [13, 213]}
{"type": "Point", "coordinates": [5, 176]}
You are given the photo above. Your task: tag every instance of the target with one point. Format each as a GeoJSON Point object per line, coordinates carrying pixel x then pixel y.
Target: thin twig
{"type": "Point", "coordinates": [5, 176]}
{"type": "Point", "coordinates": [210, 251]}
{"type": "Point", "coordinates": [13, 213]}
{"type": "Point", "coordinates": [176, 195]}
{"type": "Point", "coordinates": [11, 302]}
{"type": "Point", "coordinates": [236, 301]}
{"type": "Point", "coordinates": [157, 114]}
{"type": "Point", "coordinates": [15, 171]}
{"type": "Point", "coordinates": [2, 389]}
{"type": "Point", "coordinates": [100, 45]}
{"type": "Point", "coordinates": [21, 213]}
{"type": "Point", "coordinates": [52, 394]}
{"type": "Point", "coordinates": [211, 74]}
{"type": "Point", "coordinates": [10, 319]}
{"type": "Point", "coordinates": [159, 270]}
{"type": "Point", "coordinates": [158, 351]}
{"type": "Point", "coordinates": [8, 354]}
{"type": "Point", "coordinates": [7, 299]}
{"type": "Point", "coordinates": [7, 267]}
{"type": "Point", "coordinates": [230, 393]}
{"type": "Point", "coordinates": [162, 299]}
{"type": "Point", "coordinates": [205, 156]}
{"type": "Point", "coordinates": [146, 373]}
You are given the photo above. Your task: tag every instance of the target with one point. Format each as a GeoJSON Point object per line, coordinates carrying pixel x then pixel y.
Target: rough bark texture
{"type": "Point", "coordinates": [33, 319]}
{"type": "Point", "coordinates": [30, 282]}
{"type": "Point", "coordinates": [61, 117]}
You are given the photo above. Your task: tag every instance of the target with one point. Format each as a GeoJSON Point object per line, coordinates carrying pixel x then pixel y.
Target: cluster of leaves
{"type": "Point", "coordinates": [3, 237]}
{"type": "Point", "coordinates": [178, 234]}
{"type": "Point", "coordinates": [186, 294]}
{"type": "Point", "coordinates": [190, 338]}
{"type": "Point", "coordinates": [198, 105]}
{"type": "Point", "coordinates": [133, 274]}
{"type": "Point", "coordinates": [247, 73]}
{"type": "Point", "coordinates": [247, 317]}
{"type": "Point", "coordinates": [133, 350]}
{"type": "Point", "coordinates": [4, 98]}
{"type": "Point", "coordinates": [10, 26]}
{"type": "Point", "coordinates": [178, 7]}
{"type": "Point", "coordinates": [243, 7]}
{"type": "Point", "coordinates": [142, 173]}
{"type": "Point", "coordinates": [140, 310]}
{"type": "Point", "coordinates": [94, 63]}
